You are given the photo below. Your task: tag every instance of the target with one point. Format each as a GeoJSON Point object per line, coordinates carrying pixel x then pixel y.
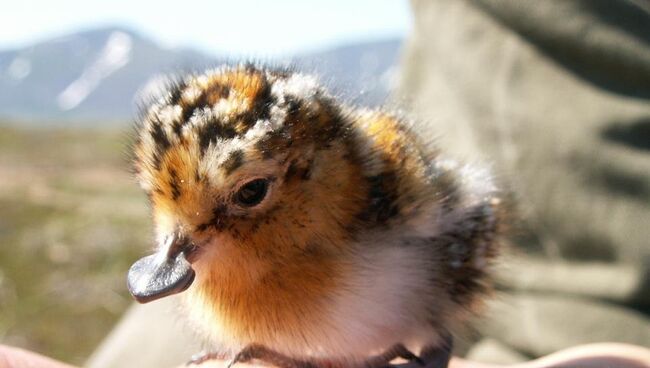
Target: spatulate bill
{"type": "Point", "coordinates": [155, 276]}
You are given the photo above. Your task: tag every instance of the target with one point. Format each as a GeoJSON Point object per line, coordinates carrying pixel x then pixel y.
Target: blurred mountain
{"type": "Point", "coordinates": [362, 73]}
{"type": "Point", "coordinates": [93, 76]}
{"type": "Point", "coordinates": [89, 75]}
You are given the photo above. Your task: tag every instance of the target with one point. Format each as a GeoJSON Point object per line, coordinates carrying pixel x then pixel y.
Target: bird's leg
{"type": "Point", "coordinates": [431, 357]}
{"type": "Point", "coordinates": [202, 357]}
{"type": "Point", "coordinates": [438, 356]}
{"type": "Point", "coordinates": [261, 352]}
{"type": "Point", "coordinates": [396, 351]}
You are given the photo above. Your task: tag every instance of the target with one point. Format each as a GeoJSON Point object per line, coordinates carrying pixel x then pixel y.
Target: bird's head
{"type": "Point", "coordinates": [246, 169]}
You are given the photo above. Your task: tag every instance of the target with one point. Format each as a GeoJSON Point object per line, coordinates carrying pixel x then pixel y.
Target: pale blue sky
{"type": "Point", "coordinates": [233, 27]}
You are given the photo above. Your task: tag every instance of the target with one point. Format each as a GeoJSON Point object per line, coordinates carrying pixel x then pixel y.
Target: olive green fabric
{"type": "Point", "coordinates": [555, 95]}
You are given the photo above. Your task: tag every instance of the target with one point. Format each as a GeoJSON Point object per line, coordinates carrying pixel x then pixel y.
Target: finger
{"type": "Point", "coordinates": [11, 357]}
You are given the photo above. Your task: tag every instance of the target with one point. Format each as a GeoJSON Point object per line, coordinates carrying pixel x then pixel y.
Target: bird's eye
{"type": "Point", "coordinates": [252, 193]}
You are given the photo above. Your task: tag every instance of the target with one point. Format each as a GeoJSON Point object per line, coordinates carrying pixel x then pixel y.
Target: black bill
{"type": "Point", "coordinates": [157, 276]}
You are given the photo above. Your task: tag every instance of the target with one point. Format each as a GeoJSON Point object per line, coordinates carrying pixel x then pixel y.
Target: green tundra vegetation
{"type": "Point", "coordinates": [72, 219]}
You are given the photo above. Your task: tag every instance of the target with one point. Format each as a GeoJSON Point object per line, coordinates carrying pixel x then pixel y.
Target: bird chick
{"type": "Point", "coordinates": [308, 233]}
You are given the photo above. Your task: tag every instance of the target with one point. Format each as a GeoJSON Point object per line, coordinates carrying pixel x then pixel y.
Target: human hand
{"type": "Point", "coordinates": [11, 357]}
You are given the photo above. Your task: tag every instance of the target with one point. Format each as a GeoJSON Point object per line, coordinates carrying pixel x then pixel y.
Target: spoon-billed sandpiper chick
{"type": "Point", "coordinates": [304, 232]}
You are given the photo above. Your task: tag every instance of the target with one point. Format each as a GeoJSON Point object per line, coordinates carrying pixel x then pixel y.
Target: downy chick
{"type": "Point", "coordinates": [305, 232]}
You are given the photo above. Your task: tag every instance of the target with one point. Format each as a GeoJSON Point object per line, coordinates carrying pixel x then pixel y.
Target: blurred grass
{"type": "Point", "coordinates": [72, 220]}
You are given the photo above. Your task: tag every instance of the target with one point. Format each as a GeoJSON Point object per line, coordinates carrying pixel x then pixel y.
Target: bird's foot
{"type": "Point", "coordinates": [264, 354]}
{"type": "Point", "coordinates": [438, 356]}
{"type": "Point", "coordinates": [204, 356]}
{"type": "Point", "coordinates": [430, 357]}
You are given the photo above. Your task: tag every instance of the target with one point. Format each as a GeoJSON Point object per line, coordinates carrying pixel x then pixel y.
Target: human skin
{"type": "Point", "coordinates": [605, 355]}
{"type": "Point", "coordinates": [11, 357]}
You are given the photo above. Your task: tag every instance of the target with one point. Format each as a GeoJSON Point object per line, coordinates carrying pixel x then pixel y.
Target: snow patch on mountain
{"type": "Point", "coordinates": [114, 55]}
